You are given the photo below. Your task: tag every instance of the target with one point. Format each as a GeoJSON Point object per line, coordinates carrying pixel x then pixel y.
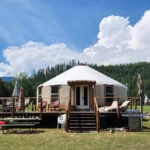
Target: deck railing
{"type": "Point", "coordinates": [97, 114]}
{"type": "Point", "coordinates": [68, 109]}
{"type": "Point", "coordinates": [133, 101]}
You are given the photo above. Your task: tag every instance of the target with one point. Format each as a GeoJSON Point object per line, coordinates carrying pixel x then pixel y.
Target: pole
{"type": "Point", "coordinates": [141, 110]}
{"type": "Point", "coordinates": [141, 105]}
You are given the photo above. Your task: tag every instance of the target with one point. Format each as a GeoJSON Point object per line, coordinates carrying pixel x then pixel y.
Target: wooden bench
{"type": "Point", "coordinates": [13, 125]}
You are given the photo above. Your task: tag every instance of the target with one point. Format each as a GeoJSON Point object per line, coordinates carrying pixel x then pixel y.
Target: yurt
{"type": "Point", "coordinates": [81, 84]}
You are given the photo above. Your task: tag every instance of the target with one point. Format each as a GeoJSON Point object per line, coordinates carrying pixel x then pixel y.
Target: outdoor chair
{"type": "Point", "coordinates": [44, 104]}
{"type": "Point", "coordinates": [114, 104]}
{"type": "Point", "coordinates": [114, 108]}
{"type": "Point", "coordinates": [55, 105]}
{"type": "Point", "coordinates": [27, 100]}
{"type": "Point", "coordinates": [61, 120]}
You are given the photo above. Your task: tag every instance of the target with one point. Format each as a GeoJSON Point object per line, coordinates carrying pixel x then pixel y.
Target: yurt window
{"type": "Point", "coordinates": [54, 93]}
{"type": "Point", "coordinates": [109, 92]}
{"type": "Point", "coordinates": [40, 91]}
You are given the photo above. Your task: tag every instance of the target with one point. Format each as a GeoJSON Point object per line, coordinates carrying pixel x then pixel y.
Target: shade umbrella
{"type": "Point", "coordinates": [140, 91]}
{"type": "Point", "coordinates": [21, 101]}
{"type": "Point", "coordinates": [16, 89]}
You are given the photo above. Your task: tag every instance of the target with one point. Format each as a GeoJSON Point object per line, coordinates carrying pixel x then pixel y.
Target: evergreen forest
{"type": "Point", "coordinates": [125, 73]}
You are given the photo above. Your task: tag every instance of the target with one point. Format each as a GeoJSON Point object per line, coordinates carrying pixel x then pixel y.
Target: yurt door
{"type": "Point", "coordinates": [82, 97]}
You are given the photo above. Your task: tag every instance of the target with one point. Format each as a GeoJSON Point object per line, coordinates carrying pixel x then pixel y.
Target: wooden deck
{"type": "Point", "coordinates": [52, 113]}
{"type": "Point", "coordinates": [31, 114]}
{"type": "Point", "coordinates": [49, 119]}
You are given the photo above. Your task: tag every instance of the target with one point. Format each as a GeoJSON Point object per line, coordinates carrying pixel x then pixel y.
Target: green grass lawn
{"type": "Point", "coordinates": [145, 108]}
{"type": "Point", "coordinates": [53, 139]}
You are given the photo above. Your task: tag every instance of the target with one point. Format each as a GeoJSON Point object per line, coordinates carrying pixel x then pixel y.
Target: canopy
{"type": "Point", "coordinates": [81, 73]}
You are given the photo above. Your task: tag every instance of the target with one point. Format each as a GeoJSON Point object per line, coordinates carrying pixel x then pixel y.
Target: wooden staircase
{"type": "Point", "coordinates": [81, 121]}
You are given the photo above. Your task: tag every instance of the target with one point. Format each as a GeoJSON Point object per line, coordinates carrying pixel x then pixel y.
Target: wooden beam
{"type": "Point", "coordinates": [141, 105]}
{"type": "Point", "coordinates": [118, 110]}
{"type": "Point", "coordinates": [3, 105]}
{"type": "Point", "coordinates": [130, 103]}
{"type": "Point", "coordinates": [135, 104]}
{"type": "Point", "coordinates": [41, 109]}
{"type": "Point", "coordinates": [81, 82]}
{"type": "Point", "coordinates": [13, 107]}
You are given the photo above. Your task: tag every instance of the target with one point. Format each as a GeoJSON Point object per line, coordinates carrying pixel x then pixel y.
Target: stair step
{"type": "Point", "coordinates": [86, 124]}
{"type": "Point", "coordinates": [82, 121]}
{"type": "Point", "coordinates": [93, 120]}
{"type": "Point", "coordinates": [79, 112]}
{"type": "Point", "coordinates": [82, 128]}
{"type": "Point", "coordinates": [82, 114]}
{"type": "Point", "coordinates": [82, 117]}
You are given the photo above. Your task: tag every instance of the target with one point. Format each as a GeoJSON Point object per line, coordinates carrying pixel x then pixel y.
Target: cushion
{"type": "Point", "coordinates": [56, 104]}
{"type": "Point", "coordinates": [44, 103]}
{"type": "Point", "coordinates": [114, 104]}
{"type": "Point", "coordinates": [125, 104]}
{"type": "Point", "coordinates": [3, 122]}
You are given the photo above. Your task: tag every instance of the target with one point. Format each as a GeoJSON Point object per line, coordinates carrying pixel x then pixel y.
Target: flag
{"type": "Point", "coordinates": [146, 99]}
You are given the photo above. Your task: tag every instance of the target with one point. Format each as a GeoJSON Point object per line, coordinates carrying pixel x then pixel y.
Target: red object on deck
{"type": "Point", "coordinates": [3, 122]}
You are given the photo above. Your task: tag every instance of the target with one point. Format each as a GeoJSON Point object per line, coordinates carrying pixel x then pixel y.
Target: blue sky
{"type": "Point", "coordinates": [73, 23]}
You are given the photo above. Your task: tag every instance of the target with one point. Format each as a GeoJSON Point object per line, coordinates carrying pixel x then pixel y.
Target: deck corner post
{"type": "Point", "coordinates": [13, 100]}
{"type": "Point", "coordinates": [118, 110]}
{"type": "Point", "coordinates": [41, 100]}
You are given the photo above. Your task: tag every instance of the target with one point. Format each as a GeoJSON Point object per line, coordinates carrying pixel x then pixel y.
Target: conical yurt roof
{"type": "Point", "coordinates": [81, 73]}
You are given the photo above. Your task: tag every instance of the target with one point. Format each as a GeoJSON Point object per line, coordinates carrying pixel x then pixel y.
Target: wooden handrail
{"type": "Point", "coordinates": [68, 109]}
{"type": "Point", "coordinates": [119, 97]}
{"type": "Point", "coordinates": [97, 114]}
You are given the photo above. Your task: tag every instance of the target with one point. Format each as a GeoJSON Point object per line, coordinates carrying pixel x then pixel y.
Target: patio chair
{"type": "Point", "coordinates": [61, 120]}
{"type": "Point", "coordinates": [27, 100]}
{"type": "Point", "coordinates": [114, 104]}
{"type": "Point", "coordinates": [55, 105]}
{"type": "Point", "coordinates": [122, 107]}
{"type": "Point", "coordinates": [44, 104]}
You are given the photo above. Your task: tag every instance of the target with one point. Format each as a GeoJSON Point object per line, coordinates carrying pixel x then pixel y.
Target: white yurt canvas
{"type": "Point", "coordinates": [81, 83]}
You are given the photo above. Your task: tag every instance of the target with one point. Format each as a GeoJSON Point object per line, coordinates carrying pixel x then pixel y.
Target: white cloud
{"type": "Point", "coordinates": [34, 55]}
{"type": "Point", "coordinates": [118, 42]}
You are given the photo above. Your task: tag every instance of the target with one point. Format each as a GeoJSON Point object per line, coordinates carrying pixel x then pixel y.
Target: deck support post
{"type": "Point", "coordinates": [130, 103]}
{"type": "Point", "coordinates": [135, 104]}
{"type": "Point", "coordinates": [3, 105]}
{"type": "Point", "coordinates": [41, 100]}
{"type": "Point", "coordinates": [118, 115]}
{"type": "Point", "coordinates": [13, 101]}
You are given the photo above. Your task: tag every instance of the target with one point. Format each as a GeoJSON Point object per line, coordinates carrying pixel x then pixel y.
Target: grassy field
{"type": "Point", "coordinates": [145, 108]}
{"type": "Point", "coordinates": [53, 139]}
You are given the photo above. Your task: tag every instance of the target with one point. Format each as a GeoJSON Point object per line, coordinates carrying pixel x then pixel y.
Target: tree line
{"type": "Point", "coordinates": [125, 73]}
